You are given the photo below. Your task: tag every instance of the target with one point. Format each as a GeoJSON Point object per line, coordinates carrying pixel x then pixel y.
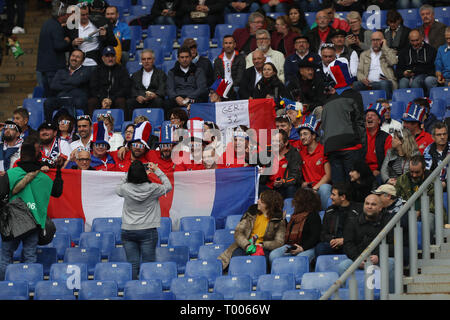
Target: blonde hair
{"type": "Point", "coordinates": [409, 144]}
{"type": "Point", "coordinates": [140, 119]}
{"type": "Point", "coordinates": [109, 118]}
{"type": "Point", "coordinates": [353, 15]}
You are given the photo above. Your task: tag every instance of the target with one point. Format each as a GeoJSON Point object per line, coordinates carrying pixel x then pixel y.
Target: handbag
{"type": "Point", "coordinates": [46, 235]}
{"type": "Point", "coordinates": [198, 15]}
{"type": "Point", "coordinates": [16, 220]}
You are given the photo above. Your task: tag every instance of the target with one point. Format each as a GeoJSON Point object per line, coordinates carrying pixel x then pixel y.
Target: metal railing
{"type": "Point", "coordinates": [394, 223]}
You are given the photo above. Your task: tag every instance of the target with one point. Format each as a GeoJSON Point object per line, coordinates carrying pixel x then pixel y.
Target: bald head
{"type": "Point", "coordinates": [322, 19]}
{"type": "Point", "coordinates": [415, 39]}
{"type": "Point", "coordinates": [372, 206]}
{"type": "Point", "coordinates": [377, 41]}
{"type": "Point", "coordinates": [258, 59]}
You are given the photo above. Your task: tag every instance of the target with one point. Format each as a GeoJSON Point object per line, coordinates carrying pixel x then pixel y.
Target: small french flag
{"type": "Point", "coordinates": [221, 87]}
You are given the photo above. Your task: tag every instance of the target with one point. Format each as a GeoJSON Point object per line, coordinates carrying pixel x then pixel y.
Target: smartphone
{"type": "Point", "coordinates": [290, 248]}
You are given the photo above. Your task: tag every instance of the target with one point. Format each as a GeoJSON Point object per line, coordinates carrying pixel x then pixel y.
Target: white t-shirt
{"type": "Point", "coordinates": [375, 67]}
{"type": "Point", "coordinates": [146, 78]}
{"type": "Point", "coordinates": [227, 67]}
{"type": "Point", "coordinates": [86, 46]}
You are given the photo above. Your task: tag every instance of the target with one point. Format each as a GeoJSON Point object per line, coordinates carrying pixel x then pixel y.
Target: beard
{"type": "Point", "coordinates": [47, 141]}
{"type": "Point", "coordinates": [8, 138]}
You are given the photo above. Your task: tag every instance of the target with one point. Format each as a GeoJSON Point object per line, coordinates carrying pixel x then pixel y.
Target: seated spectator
{"type": "Point", "coordinates": [293, 112]}
{"type": "Point", "coordinates": [200, 61]}
{"type": "Point", "coordinates": [301, 54]}
{"type": "Point", "coordinates": [148, 85]}
{"type": "Point", "coordinates": [415, 68]}
{"type": "Point", "coordinates": [186, 83]}
{"type": "Point", "coordinates": [128, 135]}
{"type": "Point", "coordinates": [238, 6]}
{"type": "Point", "coordinates": [413, 121]}
{"type": "Point", "coordinates": [378, 141]}
{"type": "Point", "coordinates": [357, 37]}
{"type": "Point", "coordinates": [408, 183]}
{"type": "Point", "coordinates": [115, 138]}
{"type": "Point", "coordinates": [82, 160]}
{"type": "Point", "coordinates": [70, 87]}
{"type": "Point", "coordinates": [336, 22]}
{"type": "Point", "coordinates": [9, 146]}
{"type": "Point", "coordinates": [163, 156]}
{"type": "Point", "coordinates": [397, 158]}
{"type": "Point", "coordinates": [92, 46]}
{"type": "Point", "coordinates": [237, 152]}
{"type": "Point", "coordinates": [283, 174]}
{"type": "Point", "coordinates": [21, 118]}
{"type": "Point", "coordinates": [316, 169]}
{"type": "Point", "coordinates": [270, 86]}
{"type": "Point", "coordinates": [297, 19]}
{"type": "Point", "coordinates": [52, 148]}
{"type": "Point", "coordinates": [284, 123]}
{"type": "Point", "coordinates": [179, 118]}
{"type": "Point", "coordinates": [109, 84]}
{"type": "Point", "coordinates": [101, 159]}
{"type": "Point", "coordinates": [396, 34]}
{"type": "Point", "coordinates": [407, 4]}
{"type": "Point", "coordinates": [264, 222]}
{"type": "Point", "coordinates": [245, 37]}
{"type": "Point", "coordinates": [442, 62]}
{"type": "Point", "coordinates": [321, 33]}
{"type": "Point", "coordinates": [429, 119]}
{"type": "Point", "coordinates": [230, 65]}
{"type": "Point", "coordinates": [432, 31]}
{"type": "Point", "coordinates": [309, 5]}
{"type": "Point", "coordinates": [274, 5]}
{"type": "Point", "coordinates": [342, 51]}
{"type": "Point", "coordinates": [362, 181]}
{"type": "Point", "coordinates": [436, 152]}
{"type": "Point", "coordinates": [349, 5]}
{"type": "Point", "coordinates": [360, 231]}
{"type": "Point", "coordinates": [274, 56]}
{"type": "Point", "coordinates": [376, 67]}
{"type": "Point", "coordinates": [282, 38]}
{"type": "Point", "coordinates": [121, 31]}
{"type": "Point", "coordinates": [66, 124]}
{"type": "Point", "coordinates": [334, 220]}
{"type": "Point", "coordinates": [252, 75]}
{"type": "Point", "coordinates": [220, 90]}
{"type": "Point", "coordinates": [84, 134]}
{"type": "Point", "coordinates": [203, 12]}
{"type": "Point", "coordinates": [303, 229]}
{"type": "Point", "coordinates": [163, 12]}
{"type": "Point", "coordinates": [389, 125]}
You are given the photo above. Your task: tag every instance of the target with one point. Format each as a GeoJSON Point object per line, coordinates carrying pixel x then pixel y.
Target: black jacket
{"type": "Point", "coordinates": [335, 218]}
{"type": "Point", "coordinates": [314, 38]}
{"type": "Point", "coordinates": [311, 231]}
{"type": "Point", "coordinates": [205, 64]}
{"type": "Point", "coordinates": [293, 173]}
{"type": "Point", "coordinates": [66, 85]}
{"type": "Point", "coordinates": [237, 68]}
{"type": "Point", "coordinates": [157, 83]}
{"type": "Point", "coordinates": [309, 92]}
{"type": "Point", "coordinates": [191, 84]}
{"type": "Point", "coordinates": [248, 83]}
{"type": "Point", "coordinates": [419, 61]}
{"type": "Point", "coordinates": [112, 82]}
{"type": "Point", "coordinates": [272, 86]}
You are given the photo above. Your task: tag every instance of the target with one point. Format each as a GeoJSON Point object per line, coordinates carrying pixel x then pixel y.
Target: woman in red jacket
{"type": "Point", "coordinates": [283, 37]}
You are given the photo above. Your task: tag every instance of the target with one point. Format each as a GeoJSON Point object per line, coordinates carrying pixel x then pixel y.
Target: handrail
{"type": "Point", "coordinates": [383, 233]}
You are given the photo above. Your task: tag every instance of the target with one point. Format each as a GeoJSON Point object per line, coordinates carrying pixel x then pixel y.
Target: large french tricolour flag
{"type": "Point", "coordinates": [254, 113]}
{"type": "Point", "coordinates": [217, 193]}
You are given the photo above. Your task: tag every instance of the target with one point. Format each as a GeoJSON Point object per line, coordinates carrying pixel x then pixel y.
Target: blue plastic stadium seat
{"type": "Point", "coordinates": [97, 290]}
{"type": "Point", "coordinates": [148, 3]}
{"type": "Point", "coordinates": [159, 46]}
{"type": "Point", "coordinates": [73, 226]}
{"type": "Point", "coordinates": [117, 255]}
{"type": "Point", "coordinates": [116, 271]}
{"type": "Point", "coordinates": [30, 272]}
{"type": "Point", "coordinates": [224, 236]}
{"type": "Point", "coordinates": [14, 290]}
{"type": "Point", "coordinates": [104, 241]}
{"type": "Point", "coordinates": [232, 221]}
{"type": "Point", "coordinates": [407, 95]}
{"type": "Point", "coordinates": [310, 17]}
{"type": "Point", "coordinates": [275, 15]}
{"type": "Point", "coordinates": [167, 65]}
{"type": "Point", "coordinates": [61, 241]}
{"type": "Point", "coordinates": [319, 280]}
{"type": "Point", "coordinates": [375, 21]}
{"type": "Point", "coordinates": [163, 271]}
{"type": "Point", "coordinates": [63, 271]}
{"type": "Point", "coordinates": [17, 256]}
{"type": "Point", "coordinates": [182, 287]}
{"type": "Point", "coordinates": [438, 108]}
{"type": "Point", "coordinates": [253, 295]}
{"type": "Point", "coordinates": [221, 31]}
{"type": "Point", "coordinates": [177, 254]}
{"type": "Point", "coordinates": [35, 108]}
{"type": "Point", "coordinates": [138, 11]}
{"type": "Point", "coordinates": [121, 3]}
{"type": "Point", "coordinates": [205, 296]}
{"type": "Point", "coordinates": [168, 32]}
{"type": "Point", "coordinates": [211, 251]}
{"type": "Point", "coordinates": [202, 44]}
{"type": "Point", "coordinates": [154, 115]}
{"type": "Point", "coordinates": [192, 239]}
{"type": "Point", "coordinates": [397, 110]}
{"type": "Point", "coordinates": [117, 114]}
{"type": "Point", "coordinates": [46, 290]}
{"type": "Point", "coordinates": [442, 93]}
{"type": "Point", "coordinates": [38, 92]}
{"type": "Point", "coordinates": [89, 256]}
{"type": "Point", "coordinates": [136, 36]}
{"type": "Point", "coordinates": [329, 262]}
{"type": "Point", "coordinates": [306, 294]}
{"type": "Point", "coordinates": [211, 269]}
{"type": "Point", "coordinates": [371, 96]}
{"type": "Point", "coordinates": [206, 224]}
{"type": "Point", "coordinates": [276, 284]}
{"type": "Point", "coordinates": [295, 265]}
{"type": "Point", "coordinates": [344, 293]}
{"type": "Point", "coordinates": [213, 53]}
{"type": "Point", "coordinates": [142, 289]}
{"type": "Point", "coordinates": [237, 19]}
{"type": "Point", "coordinates": [46, 257]}
{"type": "Point", "coordinates": [113, 225]}
{"type": "Point", "coordinates": [195, 31]}
{"type": "Point", "coordinates": [133, 66]}
{"type": "Point", "coordinates": [228, 286]}
{"type": "Point", "coordinates": [254, 266]}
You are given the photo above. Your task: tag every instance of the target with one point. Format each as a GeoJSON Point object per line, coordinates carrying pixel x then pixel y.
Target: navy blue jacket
{"type": "Point", "coordinates": [66, 85]}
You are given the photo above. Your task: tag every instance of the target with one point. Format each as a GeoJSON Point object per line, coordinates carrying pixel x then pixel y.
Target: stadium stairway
{"type": "Point", "coordinates": [18, 76]}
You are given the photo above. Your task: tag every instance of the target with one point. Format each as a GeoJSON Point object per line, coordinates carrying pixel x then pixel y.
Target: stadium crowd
{"type": "Point", "coordinates": [329, 144]}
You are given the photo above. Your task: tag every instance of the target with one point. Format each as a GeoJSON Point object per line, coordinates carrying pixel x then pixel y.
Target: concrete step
{"type": "Point", "coordinates": [428, 278]}
{"type": "Point", "coordinates": [439, 287]}
{"type": "Point", "coordinates": [431, 296]}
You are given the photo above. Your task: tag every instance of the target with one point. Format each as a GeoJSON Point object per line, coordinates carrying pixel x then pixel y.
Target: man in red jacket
{"type": "Point", "coordinates": [245, 37]}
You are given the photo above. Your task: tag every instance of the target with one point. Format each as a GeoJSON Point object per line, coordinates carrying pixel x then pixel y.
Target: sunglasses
{"type": "Point", "coordinates": [137, 145]}
{"type": "Point", "coordinates": [101, 145]}
{"type": "Point", "coordinates": [104, 115]}
{"type": "Point", "coordinates": [84, 117]}
{"type": "Point", "coordinates": [64, 122]}
{"type": "Point", "coordinates": [11, 126]}
{"type": "Point", "coordinates": [84, 159]}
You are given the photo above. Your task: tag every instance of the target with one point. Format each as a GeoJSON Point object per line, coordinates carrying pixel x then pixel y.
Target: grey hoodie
{"type": "Point", "coordinates": [141, 202]}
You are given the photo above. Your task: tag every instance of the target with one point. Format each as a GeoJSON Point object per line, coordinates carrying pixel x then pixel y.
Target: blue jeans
{"type": "Point", "coordinates": [29, 255]}
{"type": "Point", "coordinates": [406, 4]}
{"type": "Point", "coordinates": [281, 7]}
{"type": "Point", "coordinates": [341, 163]}
{"type": "Point", "coordinates": [324, 194]}
{"type": "Point", "coordinates": [420, 81]}
{"type": "Point", "coordinates": [308, 6]}
{"type": "Point", "coordinates": [385, 85]}
{"type": "Point", "coordinates": [252, 8]}
{"type": "Point", "coordinates": [137, 244]}
{"type": "Point", "coordinates": [281, 252]}
{"type": "Point", "coordinates": [324, 248]}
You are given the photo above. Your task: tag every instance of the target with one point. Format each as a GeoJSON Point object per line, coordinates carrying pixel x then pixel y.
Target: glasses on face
{"type": "Point", "coordinates": [84, 117]}
{"type": "Point", "coordinates": [64, 122]}
{"type": "Point", "coordinates": [165, 145]}
{"type": "Point", "coordinates": [129, 132]}
{"type": "Point", "coordinates": [265, 38]}
{"type": "Point", "coordinates": [101, 145]}
{"type": "Point", "coordinates": [84, 159]}
{"type": "Point", "coordinates": [10, 126]}
{"type": "Point", "coordinates": [193, 46]}
{"type": "Point", "coordinates": [327, 45]}
{"type": "Point", "coordinates": [83, 149]}
{"type": "Point", "coordinates": [137, 145]}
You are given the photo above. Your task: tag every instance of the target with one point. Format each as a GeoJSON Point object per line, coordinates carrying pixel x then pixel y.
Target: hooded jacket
{"type": "Point", "coordinates": [141, 208]}
{"type": "Point", "coordinates": [420, 61]}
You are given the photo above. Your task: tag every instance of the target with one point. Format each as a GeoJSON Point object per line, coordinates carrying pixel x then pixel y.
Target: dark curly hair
{"type": "Point", "coordinates": [274, 202]}
{"type": "Point", "coordinates": [306, 200]}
